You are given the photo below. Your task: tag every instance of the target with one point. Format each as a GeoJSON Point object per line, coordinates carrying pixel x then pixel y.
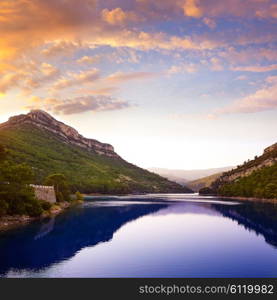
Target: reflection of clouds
{"type": "Point", "coordinates": [185, 208]}
{"type": "Point", "coordinates": [175, 204]}
{"type": "Point", "coordinates": [120, 203]}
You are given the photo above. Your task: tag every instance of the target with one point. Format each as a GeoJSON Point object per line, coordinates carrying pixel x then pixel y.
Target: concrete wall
{"type": "Point", "coordinates": [46, 193]}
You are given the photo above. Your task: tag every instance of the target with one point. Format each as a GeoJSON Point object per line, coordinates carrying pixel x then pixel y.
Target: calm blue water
{"type": "Point", "coordinates": [147, 236]}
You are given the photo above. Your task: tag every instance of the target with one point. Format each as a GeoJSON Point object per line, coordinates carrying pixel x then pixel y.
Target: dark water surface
{"type": "Point", "coordinates": [147, 236]}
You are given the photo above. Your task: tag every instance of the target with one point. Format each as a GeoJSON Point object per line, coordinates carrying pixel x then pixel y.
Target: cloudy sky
{"type": "Point", "coordinates": [183, 84]}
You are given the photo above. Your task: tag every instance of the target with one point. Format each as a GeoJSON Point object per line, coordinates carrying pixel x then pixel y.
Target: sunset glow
{"type": "Point", "coordinates": [181, 84]}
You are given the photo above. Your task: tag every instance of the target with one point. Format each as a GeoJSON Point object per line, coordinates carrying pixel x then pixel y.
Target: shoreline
{"type": "Point", "coordinates": [13, 222]}
{"type": "Point", "coordinates": [251, 199]}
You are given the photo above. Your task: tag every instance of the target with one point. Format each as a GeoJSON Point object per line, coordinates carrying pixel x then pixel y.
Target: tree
{"type": "Point", "coordinates": [16, 195]}
{"type": "Point", "coordinates": [3, 207]}
{"type": "Point", "coordinates": [79, 196]}
{"type": "Point", "coordinates": [60, 185]}
{"type": "Point", "coordinates": [206, 191]}
{"type": "Point", "coordinates": [16, 174]}
{"type": "Point", "coordinates": [270, 190]}
{"type": "Point", "coordinates": [262, 183]}
{"type": "Point", "coordinates": [3, 153]}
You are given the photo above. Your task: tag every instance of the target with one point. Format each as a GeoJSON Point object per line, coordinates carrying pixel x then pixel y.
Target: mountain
{"type": "Point", "coordinates": [184, 176]}
{"type": "Point", "coordinates": [67, 134]}
{"type": "Point", "coordinates": [254, 178]}
{"type": "Point", "coordinates": [200, 183]}
{"type": "Point", "coordinates": [50, 146]}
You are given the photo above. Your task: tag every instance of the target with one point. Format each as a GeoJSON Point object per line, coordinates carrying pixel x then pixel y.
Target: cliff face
{"type": "Point", "coordinates": [66, 133]}
{"type": "Point", "coordinates": [267, 159]}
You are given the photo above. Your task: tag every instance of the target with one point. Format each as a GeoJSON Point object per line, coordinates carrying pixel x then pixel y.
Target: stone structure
{"type": "Point", "coordinates": [46, 193]}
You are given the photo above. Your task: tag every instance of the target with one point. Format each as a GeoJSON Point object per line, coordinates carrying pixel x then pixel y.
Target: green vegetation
{"type": "Point", "coordinates": [206, 191]}
{"type": "Point", "coordinates": [16, 196]}
{"type": "Point", "coordinates": [85, 171]}
{"type": "Point", "coordinates": [60, 185]}
{"type": "Point", "coordinates": [203, 182]}
{"type": "Point", "coordinates": [79, 196]}
{"type": "Point", "coordinates": [260, 184]}
{"type": "Point", "coordinates": [255, 162]}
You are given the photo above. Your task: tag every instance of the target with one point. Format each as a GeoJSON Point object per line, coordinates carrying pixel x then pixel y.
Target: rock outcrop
{"type": "Point", "coordinates": [66, 133]}
{"type": "Point", "coordinates": [267, 159]}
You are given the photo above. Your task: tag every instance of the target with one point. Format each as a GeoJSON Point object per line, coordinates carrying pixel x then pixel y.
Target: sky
{"type": "Point", "coordinates": [178, 84]}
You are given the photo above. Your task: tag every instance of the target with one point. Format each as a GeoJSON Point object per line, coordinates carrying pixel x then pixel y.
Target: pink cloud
{"type": "Point", "coordinates": [255, 68]}
{"type": "Point", "coordinates": [262, 100]}
{"type": "Point", "coordinates": [94, 103]}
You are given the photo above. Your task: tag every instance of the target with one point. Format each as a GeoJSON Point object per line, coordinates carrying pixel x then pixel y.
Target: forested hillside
{"type": "Point", "coordinates": [85, 171]}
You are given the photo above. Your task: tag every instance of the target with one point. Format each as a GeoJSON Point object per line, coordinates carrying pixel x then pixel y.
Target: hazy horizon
{"type": "Point", "coordinates": [176, 84]}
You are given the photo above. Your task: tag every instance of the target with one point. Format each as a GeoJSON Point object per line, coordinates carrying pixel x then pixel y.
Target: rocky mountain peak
{"type": "Point", "coordinates": [270, 148]}
{"type": "Point", "coordinates": [40, 114]}
{"type": "Point", "coordinates": [67, 134]}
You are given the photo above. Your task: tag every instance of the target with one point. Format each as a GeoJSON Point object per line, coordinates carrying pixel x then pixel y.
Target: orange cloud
{"type": "Point", "coordinates": [26, 24]}
{"type": "Point", "coordinates": [191, 9]}
{"type": "Point", "coordinates": [120, 77]}
{"type": "Point", "coordinates": [154, 41]}
{"type": "Point", "coordinates": [9, 81]}
{"type": "Point", "coordinates": [61, 47]}
{"type": "Point", "coordinates": [74, 79]}
{"type": "Point", "coordinates": [101, 91]}
{"type": "Point", "coordinates": [49, 70]}
{"type": "Point", "coordinates": [40, 30]}
{"type": "Point", "coordinates": [62, 25]}
{"type": "Point", "coordinates": [93, 77]}
{"type": "Point", "coordinates": [65, 23]}
{"type": "Point", "coordinates": [39, 76]}
{"type": "Point", "coordinates": [77, 105]}
{"type": "Point", "coordinates": [89, 59]}
{"type": "Point", "coordinates": [117, 16]}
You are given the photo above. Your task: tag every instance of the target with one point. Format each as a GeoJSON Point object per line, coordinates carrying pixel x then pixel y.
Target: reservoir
{"type": "Point", "coordinates": [155, 235]}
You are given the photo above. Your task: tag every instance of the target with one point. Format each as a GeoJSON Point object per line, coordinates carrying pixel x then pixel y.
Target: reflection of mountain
{"type": "Point", "coordinates": [260, 217]}
{"type": "Point", "coordinates": [39, 245]}
{"type": "Point", "coordinates": [42, 244]}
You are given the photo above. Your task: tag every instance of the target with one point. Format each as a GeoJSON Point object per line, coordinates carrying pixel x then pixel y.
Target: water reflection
{"type": "Point", "coordinates": [258, 217]}
{"type": "Point", "coordinates": [39, 245]}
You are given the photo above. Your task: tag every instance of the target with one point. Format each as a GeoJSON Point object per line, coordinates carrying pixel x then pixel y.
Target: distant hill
{"type": "Point", "coordinates": [50, 146]}
{"type": "Point", "coordinates": [254, 178]}
{"type": "Point", "coordinates": [184, 176]}
{"type": "Point", "coordinates": [200, 183]}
